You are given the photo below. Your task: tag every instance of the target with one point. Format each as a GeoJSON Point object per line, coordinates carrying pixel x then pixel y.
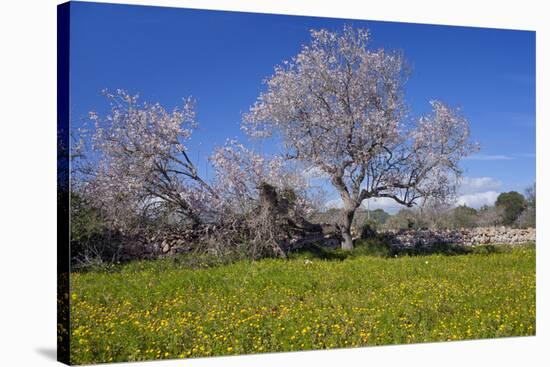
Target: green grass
{"type": "Point", "coordinates": [162, 309]}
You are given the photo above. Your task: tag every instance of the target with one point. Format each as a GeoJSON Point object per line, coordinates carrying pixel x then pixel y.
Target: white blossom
{"type": "Point", "coordinates": [142, 160]}
{"type": "Point", "coordinates": [338, 106]}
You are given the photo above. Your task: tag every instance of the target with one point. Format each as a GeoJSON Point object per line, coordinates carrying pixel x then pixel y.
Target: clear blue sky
{"type": "Point", "coordinates": [221, 58]}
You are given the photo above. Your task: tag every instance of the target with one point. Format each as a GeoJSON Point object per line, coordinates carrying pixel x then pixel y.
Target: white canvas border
{"type": "Point", "coordinates": [27, 151]}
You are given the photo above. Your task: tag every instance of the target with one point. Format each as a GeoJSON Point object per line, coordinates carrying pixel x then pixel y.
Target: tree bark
{"type": "Point", "coordinates": [347, 241]}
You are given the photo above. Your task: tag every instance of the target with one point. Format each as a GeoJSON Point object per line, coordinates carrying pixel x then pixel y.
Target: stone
{"type": "Point", "coordinates": [165, 247]}
{"type": "Point", "coordinates": [465, 237]}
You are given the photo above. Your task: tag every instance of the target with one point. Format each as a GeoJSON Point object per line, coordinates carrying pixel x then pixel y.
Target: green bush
{"type": "Point", "coordinates": [315, 251]}
{"type": "Point", "coordinates": [93, 242]}
{"type": "Point", "coordinates": [463, 217]}
{"type": "Point", "coordinates": [374, 246]}
{"type": "Point", "coordinates": [368, 230]}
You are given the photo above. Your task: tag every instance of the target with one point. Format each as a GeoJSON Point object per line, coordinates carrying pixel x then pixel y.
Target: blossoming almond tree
{"type": "Point", "coordinates": [241, 172]}
{"type": "Point", "coordinates": [338, 107]}
{"type": "Point", "coordinates": [142, 160]}
{"type": "Point", "coordinates": [141, 170]}
{"type": "Point", "coordinates": [264, 197]}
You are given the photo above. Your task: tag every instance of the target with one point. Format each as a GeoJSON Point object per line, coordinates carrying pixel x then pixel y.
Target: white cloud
{"type": "Point", "coordinates": [472, 191]}
{"type": "Point", "coordinates": [489, 157]}
{"type": "Point", "coordinates": [472, 185]}
{"type": "Point", "coordinates": [478, 191]}
{"type": "Point", "coordinates": [478, 199]}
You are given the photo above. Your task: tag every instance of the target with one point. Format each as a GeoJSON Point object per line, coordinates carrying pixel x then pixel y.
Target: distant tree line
{"type": "Point", "coordinates": [511, 209]}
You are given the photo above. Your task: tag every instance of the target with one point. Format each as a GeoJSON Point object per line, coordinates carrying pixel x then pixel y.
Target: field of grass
{"type": "Point", "coordinates": [161, 309]}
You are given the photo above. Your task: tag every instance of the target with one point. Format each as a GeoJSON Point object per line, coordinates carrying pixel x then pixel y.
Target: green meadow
{"type": "Point", "coordinates": [165, 309]}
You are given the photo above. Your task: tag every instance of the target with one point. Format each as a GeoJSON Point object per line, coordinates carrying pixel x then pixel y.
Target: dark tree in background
{"type": "Point", "coordinates": [513, 204]}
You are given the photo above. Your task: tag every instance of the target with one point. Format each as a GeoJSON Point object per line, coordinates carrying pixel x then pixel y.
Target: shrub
{"type": "Point", "coordinates": [527, 218]}
{"type": "Point", "coordinates": [490, 216]}
{"type": "Point", "coordinates": [368, 230]}
{"type": "Point", "coordinates": [93, 242]}
{"type": "Point", "coordinates": [463, 217]}
{"type": "Point", "coordinates": [406, 219]}
{"type": "Point", "coordinates": [315, 251]}
{"type": "Point", "coordinates": [376, 245]}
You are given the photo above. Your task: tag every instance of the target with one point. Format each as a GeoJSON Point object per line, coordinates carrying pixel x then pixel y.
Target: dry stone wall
{"type": "Point", "coordinates": [170, 244]}
{"type": "Point", "coordinates": [464, 237]}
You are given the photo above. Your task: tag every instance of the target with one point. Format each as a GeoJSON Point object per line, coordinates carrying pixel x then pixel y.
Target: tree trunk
{"type": "Point", "coordinates": [347, 242]}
